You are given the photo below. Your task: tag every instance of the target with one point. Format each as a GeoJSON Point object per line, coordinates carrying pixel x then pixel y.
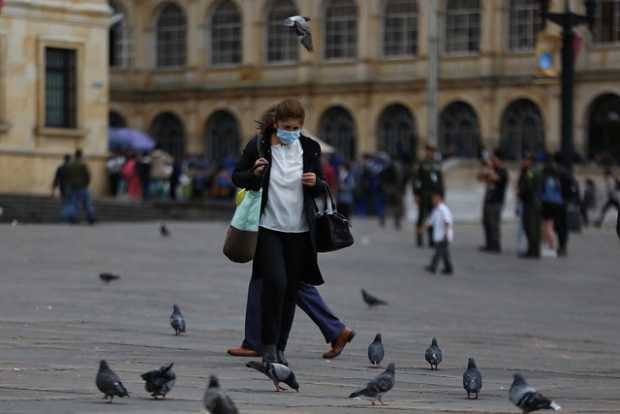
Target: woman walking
{"type": "Point", "coordinates": [287, 166]}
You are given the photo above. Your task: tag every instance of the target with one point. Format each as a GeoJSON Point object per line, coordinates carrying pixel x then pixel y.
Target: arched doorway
{"type": "Point", "coordinates": [337, 128]}
{"type": "Point", "coordinates": [116, 120]}
{"type": "Point", "coordinates": [459, 131]}
{"type": "Point", "coordinates": [169, 133]}
{"type": "Point", "coordinates": [222, 136]}
{"type": "Point", "coordinates": [522, 130]}
{"type": "Point", "coordinates": [604, 127]}
{"type": "Point", "coordinates": [396, 133]}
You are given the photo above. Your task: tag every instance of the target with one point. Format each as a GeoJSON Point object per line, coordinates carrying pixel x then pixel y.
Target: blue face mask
{"type": "Point", "coordinates": [287, 137]}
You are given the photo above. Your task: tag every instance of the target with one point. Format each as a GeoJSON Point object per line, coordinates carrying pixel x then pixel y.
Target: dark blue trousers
{"type": "Point", "coordinates": [308, 299]}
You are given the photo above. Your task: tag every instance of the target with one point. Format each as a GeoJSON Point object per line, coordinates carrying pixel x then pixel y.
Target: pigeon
{"type": "Point", "coordinates": [159, 382]}
{"type": "Point", "coordinates": [372, 300]}
{"type": "Point", "coordinates": [433, 355]}
{"type": "Point", "coordinates": [527, 398]}
{"type": "Point", "coordinates": [108, 277]}
{"type": "Point", "coordinates": [215, 401]}
{"type": "Point", "coordinates": [300, 24]}
{"type": "Point", "coordinates": [277, 373]}
{"type": "Point", "coordinates": [163, 230]}
{"type": "Point", "coordinates": [109, 383]}
{"type": "Point", "coordinates": [380, 385]}
{"type": "Point", "coordinates": [472, 379]}
{"type": "Point", "coordinates": [177, 321]}
{"type": "Point", "coordinates": [376, 351]}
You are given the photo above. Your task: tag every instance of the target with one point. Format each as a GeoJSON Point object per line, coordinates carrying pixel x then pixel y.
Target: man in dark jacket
{"type": "Point", "coordinates": [78, 180]}
{"type": "Point", "coordinates": [60, 179]}
{"type": "Point", "coordinates": [529, 192]}
{"type": "Point", "coordinates": [428, 179]}
{"type": "Point", "coordinates": [495, 176]}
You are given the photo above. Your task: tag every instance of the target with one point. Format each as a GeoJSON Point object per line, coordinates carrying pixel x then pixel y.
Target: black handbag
{"type": "Point", "coordinates": [333, 230]}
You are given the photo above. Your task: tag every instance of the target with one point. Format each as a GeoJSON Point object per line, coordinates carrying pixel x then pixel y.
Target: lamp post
{"type": "Point", "coordinates": [568, 21]}
{"type": "Point", "coordinates": [433, 73]}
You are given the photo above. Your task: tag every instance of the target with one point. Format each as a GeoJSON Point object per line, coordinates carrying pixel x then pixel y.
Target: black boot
{"type": "Point", "coordinates": [270, 353]}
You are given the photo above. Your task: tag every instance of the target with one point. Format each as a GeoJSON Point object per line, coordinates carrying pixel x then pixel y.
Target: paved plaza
{"type": "Point", "coordinates": [555, 320]}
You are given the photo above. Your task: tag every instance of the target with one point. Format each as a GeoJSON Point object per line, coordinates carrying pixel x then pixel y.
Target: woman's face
{"type": "Point", "coordinates": [289, 124]}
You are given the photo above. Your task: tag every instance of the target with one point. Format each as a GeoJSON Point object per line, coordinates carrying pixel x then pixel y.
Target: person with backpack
{"type": "Point", "coordinates": [612, 185]}
{"type": "Point", "coordinates": [552, 202]}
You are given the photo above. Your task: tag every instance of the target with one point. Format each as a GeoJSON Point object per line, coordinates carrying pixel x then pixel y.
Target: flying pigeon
{"type": "Point", "coordinates": [376, 351]}
{"type": "Point", "coordinates": [472, 379]}
{"type": "Point", "coordinates": [177, 321]}
{"type": "Point", "coordinates": [302, 29]}
{"type": "Point", "coordinates": [108, 277]}
{"type": "Point", "coordinates": [527, 398]}
{"type": "Point", "coordinates": [109, 383]}
{"type": "Point", "coordinates": [215, 401]}
{"type": "Point", "coordinates": [277, 373]}
{"type": "Point", "coordinates": [371, 300]}
{"type": "Point", "coordinates": [380, 385]}
{"type": "Point", "coordinates": [163, 230]}
{"type": "Point", "coordinates": [159, 382]}
{"type": "Point", "coordinates": [433, 355]}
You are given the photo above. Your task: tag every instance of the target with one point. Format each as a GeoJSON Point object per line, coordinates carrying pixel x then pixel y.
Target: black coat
{"type": "Point", "coordinates": [244, 177]}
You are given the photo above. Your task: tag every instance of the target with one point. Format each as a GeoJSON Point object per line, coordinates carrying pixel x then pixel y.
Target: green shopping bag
{"type": "Point", "coordinates": [242, 235]}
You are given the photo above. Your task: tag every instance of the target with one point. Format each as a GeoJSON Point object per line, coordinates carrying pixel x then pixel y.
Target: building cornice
{"type": "Point", "coordinates": [93, 9]}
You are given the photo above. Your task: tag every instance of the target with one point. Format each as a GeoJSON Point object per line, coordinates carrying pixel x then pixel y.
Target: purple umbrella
{"type": "Point", "coordinates": [125, 138]}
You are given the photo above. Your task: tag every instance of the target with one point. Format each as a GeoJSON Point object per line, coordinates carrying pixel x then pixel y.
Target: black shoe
{"type": "Point", "coordinates": [281, 359]}
{"type": "Point", "coordinates": [429, 269]}
{"type": "Point", "coordinates": [562, 252]}
{"type": "Point", "coordinates": [447, 272]}
{"type": "Point", "coordinates": [270, 354]}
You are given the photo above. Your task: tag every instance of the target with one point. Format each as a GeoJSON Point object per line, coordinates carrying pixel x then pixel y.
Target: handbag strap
{"type": "Point", "coordinates": [328, 193]}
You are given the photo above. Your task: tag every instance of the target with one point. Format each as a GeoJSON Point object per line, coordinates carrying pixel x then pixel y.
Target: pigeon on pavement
{"type": "Point", "coordinates": [163, 230]}
{"type": "Point", "coordinates": [472, 379]}
{"type": "Point", "coordinates": [527, 398]}
{"type": "Point", "coordinates": [300, 24]}
{"type": "Point", "coordinates": [433, 355]}
{"type": "Point", "coordinates": [108, 277]}
{"type": "Point", "coordinates": [380, 385]}
{"type": "Point", "coordinates": [376, 351]}
{"type": "Point", "coordinates": [159, 382]}
{"type": "Point", "coordinates": [277, 373]}
{"type": "Point", "coordinates": [177, 321]}
{"type": "Point", "coordinates": [215, 401]}
{"type": "Point", "coordinates": [371, 300]}
{"type": "Point", "coordinates": [109, 383]}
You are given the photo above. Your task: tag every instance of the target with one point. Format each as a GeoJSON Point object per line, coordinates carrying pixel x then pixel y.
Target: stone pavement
{"type": "Point", "coordinates": [555, 320]}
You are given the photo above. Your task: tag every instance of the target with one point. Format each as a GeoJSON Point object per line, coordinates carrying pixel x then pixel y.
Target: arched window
{"type": "Point", "coordinates": [226, 34]}
{"type": "Point", "coordinates": [337, 128]}
{"type": "Point", "coordinates": [396, 133]}
{"type": "Point", "coordinates": [116, 120]}
{"type": "Point", "coordinates": [169, 133]}
{"type": "Point", "coordinates": [606, 27]}
{"type": "Point", "coordinates": [171, 37]}
{"type": "Point", "coordinates": [222, 136]}
{"type": "Point", "coordinates": [400, 28]}
{"type": "Point", "coordinates": [120, 39]}
{"type": "Point", "coordinates": [463, 26]}
{"type": "Point", "coordinates": [604, 127]}
{"type": "Point", "coordinates": [459, 131]}
{"type": "Point", "coordinates": [341, 29]}
{"type": "Point", "coordinates": [525, 21]}
{"type": "Point", "coordinates": [522, 130]}
{"type": "Point", "coordinates": [282, 43]}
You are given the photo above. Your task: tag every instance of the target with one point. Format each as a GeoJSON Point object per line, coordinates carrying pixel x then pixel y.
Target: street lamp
{"type": "Point", "coordinates": [568, 21]}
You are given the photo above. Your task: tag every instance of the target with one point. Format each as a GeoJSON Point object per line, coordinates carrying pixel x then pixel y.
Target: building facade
{"type": "Point", "coordinates": [197, 73]}
{"type": "Point", "coordinates": [53, 90]}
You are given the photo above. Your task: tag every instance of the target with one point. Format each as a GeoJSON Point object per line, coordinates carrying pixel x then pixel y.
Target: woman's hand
{"type": "Point", "coordinates": [308, 179]}
{"type": "Point", "coordinates": [259, 166]}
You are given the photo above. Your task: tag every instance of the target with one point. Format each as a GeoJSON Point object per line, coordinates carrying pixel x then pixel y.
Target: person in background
{"type": "Point", "coordinates": [393, 185]}
{"type": "Point", "coordinates": [495, 176]}
{"type": "Point", "coordinates": [114, 166]}
{"type": "Point", "coordinates": [569, 188]}
{"type": "Point", "coordinates": [331, 178]}
{"type": "Point", "coordinates": [346, 187]}
{"type": "Point", "coordinates": [143, 167]}
{"type": "Point", "coordinates": [161, 171]}
{"type": "Point", "coordinates": [442, 226]}
{"type": "Point", "coordinates": [611, 186]}
{"type": "Point", "coordinates": [552, 202]}
{"type": "Point", "coordinates": [529, 192]}
{"type": "Point", "coordinates": [175, 178]}
{"type": "Point", "coordinates": [428, 179]}
{"type": "Point", "coordinates": [588, 200]}
{"type": "Point", "coordinates": [60, 178]}
{"type": "Point", "coordinates": [130, 175]}
{"type": "Point", "coordinates": [78, 180]}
